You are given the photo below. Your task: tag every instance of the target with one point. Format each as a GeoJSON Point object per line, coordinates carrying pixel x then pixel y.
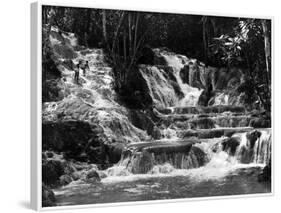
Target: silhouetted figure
{"type": "Point", "coordinates": [76, 73]}
{"type": "Point", "coordinates": [86, 67]}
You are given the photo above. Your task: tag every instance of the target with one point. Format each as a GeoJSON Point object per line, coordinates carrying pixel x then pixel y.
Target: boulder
{"type": "Point", "coordinates": [92, 176]}
{"type": "Point", "coordinates": [265, 175]}
{"type": "Point", "coordinates": [252, 138]}
{"type": "Point", "coordinates": [230, 145]}
{"type": "Point", "coordinates": [206, 95]}
{"type": "Point", "coordinates": [156, 133]}
{"type": "Point", "coordinates": [49, 154]}
{"type": "Point", "coordinates": [68, 63]}
{"type": "Point", "coordinates": [77, 139]}
{"type": "Point", "coordinates": [53, 90]}
{"type": "Point", "coordinates": [202, 123]}
{"type": "Point", "coordinates": [260, 123]}
{"type": "Point", "coordinates": [114, 152]}
{"type": "Point", "coordinates": [142, 162]}
{"type": "Point", "coordinates": [51, 172]}
{"type": "Point", "coordinates": [184, 74]}
{"type": "Point", "coordinates": [75, 176]}
{"type": "Point", "coordinates": [48, 197]}
{"type": "Point", "coordinates": [154, 87]}
{"type": "Point", "coordinates": [137, 95]}
{"type": "Point", "coordinates": [141, 120]}
{"type": "Point", "coordinates": [65, 180]}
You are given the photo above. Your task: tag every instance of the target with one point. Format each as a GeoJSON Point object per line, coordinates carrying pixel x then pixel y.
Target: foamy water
{"type": "Point", "coordinates": [191, 94]}
{"type": "Point", "coordinates": [221, 174]}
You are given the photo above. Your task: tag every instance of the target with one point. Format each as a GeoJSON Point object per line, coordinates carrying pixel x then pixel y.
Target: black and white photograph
{"type": "Point", "coordinates": [148, 106]}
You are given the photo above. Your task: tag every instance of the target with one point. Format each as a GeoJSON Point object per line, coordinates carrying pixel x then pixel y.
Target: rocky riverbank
{"type": "Point", "coordinates": [87, 127]}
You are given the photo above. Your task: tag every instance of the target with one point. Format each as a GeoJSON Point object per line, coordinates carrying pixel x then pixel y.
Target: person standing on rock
{"type": "Point", "coordinates": [76, 73]}
{"type": "Point", "coordinates": [86, 67]}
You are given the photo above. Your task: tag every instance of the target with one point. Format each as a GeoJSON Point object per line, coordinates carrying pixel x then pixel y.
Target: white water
{"type": "Point", "coordinates": [95, 92]}
{"type": "Point", "coordinates": [219, 166]}
{"type": "Point", "coordinates": [191, 94]}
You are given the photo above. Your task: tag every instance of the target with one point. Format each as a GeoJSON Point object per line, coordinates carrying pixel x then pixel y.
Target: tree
{"type": "Point", "coordinates": [267, 50]}
{"type": "Point", "coordinates": [104, 26]}
{"type": "Point", "coordinates": [248, 47]}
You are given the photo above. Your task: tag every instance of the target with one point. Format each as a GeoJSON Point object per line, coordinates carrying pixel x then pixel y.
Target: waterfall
{"type": "Point", "coordinates": [213, 157]}
{"type": "Point", "coordinates": [262, 148]}
{"type": "Point", "coordinates": [142, 158]}
{"type": "Point", "coordinates": [248, 148]}
{"type": "Point", "coordinates": [191, 94]}
{"type": "Point", "coordinates": [164, 83]}
{"type": "Point", "coordinates": [260, 153]}
{"type": "Point", "coordinates": [159, 86]}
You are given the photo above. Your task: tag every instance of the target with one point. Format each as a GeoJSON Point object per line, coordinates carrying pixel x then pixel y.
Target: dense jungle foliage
{"type": "Point", "coordinates": [216, 41]}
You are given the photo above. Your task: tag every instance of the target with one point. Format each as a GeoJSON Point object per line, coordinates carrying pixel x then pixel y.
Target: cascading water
{"type": "Point", "coordinates": [191, 94]}
{"type": "Point", "coordinates": [259, 153]}
{"type": "Point", "coordinates": [206, 160]}
{"type": "Point", "coordinates": [165, 155]}
{"type": "Point", "coordinates": [208, 154]}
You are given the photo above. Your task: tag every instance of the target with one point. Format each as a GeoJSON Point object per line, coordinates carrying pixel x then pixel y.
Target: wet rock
{"type": "Point", "coordinates": [51, 172]}
{"type": "Point", "coordinates": [79, 166]}
{"type": "Point", "coordinates": [210, 133]}
{"type": "Point", "coordinates": [49, 154]}
{"type": "Point", "coordinates": [205, 97]}
{"type": "Point", "coordinates": [156, 133]}
{"type": "Point", "coordinates": [184, 74]}
{"type": "Point", "coordinates": [200, 157]}
{"type": "Point", "coordinates": [68, 63]}
{"type": "Point", "coordinates": [53, 90]}
{"type": "Point", "coordinates": [92, 176]}
{"type": "Point", "coordinates": [48, 197]}
{"type": "Point", "coordinates": [165, 111]}
{"type": "Point", "coordinates": [62, 46]}
{"type": "Point", "coordinates": [154, 86]}
{"type": "Point", "coordinates": [158, 59]}
{"type": "Point", "coordinates": [260, 123]}
{"type": "Point", "coordinates": [232, 120]}
{"type": "Point", "coordinates": [202, 123]}
{"type": "Point", "coordinates": [65, 180]}
{"type": "Point", "coordinates": [252, 138]}
{"type": "Point", "coordinates": [223, 108]}
{"type": "Point", "coordinates": [230, 145]}
{"type": "Point", "coordinates": [114, 152]}
{"type": "Point", "coordinates": [265, 175]}
{"type": "Point", "coordinates": [75, 176]}
{"type": "Point", "coordinates": [73, 138]}
{"type": "Point", "coordinates": [102, 174]}
{"type": "Point", "coordinates": [142, 163]}
{"type": "Point", "coordinates": [142, 120]}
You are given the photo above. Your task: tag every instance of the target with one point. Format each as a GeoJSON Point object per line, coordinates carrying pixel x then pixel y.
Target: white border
{"type": "Point", "coordinates": [36, 106]}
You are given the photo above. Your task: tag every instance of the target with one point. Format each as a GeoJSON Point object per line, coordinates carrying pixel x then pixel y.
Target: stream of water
{"type": "Point", "coordinates": [174, 166]}
{"type": "Point", "coordinates": [222, 175]}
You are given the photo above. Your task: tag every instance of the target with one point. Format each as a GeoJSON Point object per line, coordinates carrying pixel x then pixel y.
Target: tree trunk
{"type": "Point", "coordinates": [267, 52]}
{"type": "Point", "coordinates": [104, 26]}
{"type": "Point", "coordinates": [116, 33]}
{"type": "Point", "coordinates": [130, 33]}
{"type": "Point", "coordinates": [267, 49]}
{"type": "Point", "coordinates": [205, 39]}
{"type": "Point", "coordinates": [124, 46]}
{"type": "Point", "coordinates": [136, 34]}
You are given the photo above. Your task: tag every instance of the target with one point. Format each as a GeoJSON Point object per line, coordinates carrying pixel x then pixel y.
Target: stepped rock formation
{"type": "Point", "coordinates": [87, 120]}
{"type": "Point", "coordinates": [180, 115]}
